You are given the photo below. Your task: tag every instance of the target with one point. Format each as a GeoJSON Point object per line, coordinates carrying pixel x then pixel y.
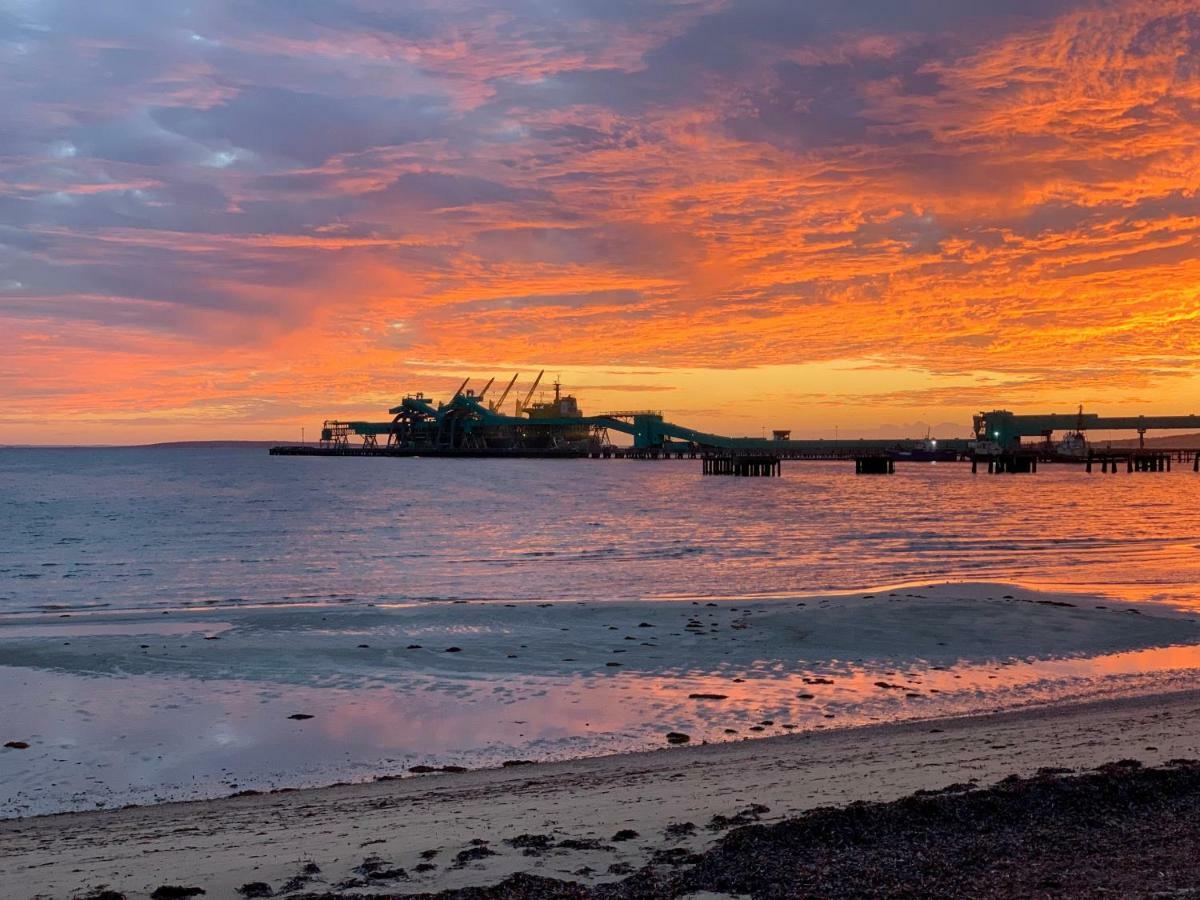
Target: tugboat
{"type": "Point", "coordinates": [1074, 446]}
{"type": "Point", "coordinates": [926, 451]}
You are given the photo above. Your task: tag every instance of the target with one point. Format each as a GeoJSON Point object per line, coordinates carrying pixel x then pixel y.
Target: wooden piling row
{"type": "Point", "coordinates": [874, 465]}
{"type": "Point", "coordinates": [1135, 461]}
{"type": "Point", "coordinates": [1006, 463]}
{"type": "Point", "coordinates": [742, 466]}
{"type": "Point", "coordinates": [611, 452]}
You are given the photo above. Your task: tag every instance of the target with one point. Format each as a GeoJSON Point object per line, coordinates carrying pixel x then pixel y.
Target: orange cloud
{"type": "Point", "coordinates": [254, 227]}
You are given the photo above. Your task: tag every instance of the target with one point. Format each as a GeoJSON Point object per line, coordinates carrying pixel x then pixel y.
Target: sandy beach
{"type": "Point", "coordinates": [598, 746]}
{"type": "Point", "coordinates": [663, 450]}
{"type": "Point", "coordinates": [453, 830]}
{"type": "Point", "coordinates": [136, 707]}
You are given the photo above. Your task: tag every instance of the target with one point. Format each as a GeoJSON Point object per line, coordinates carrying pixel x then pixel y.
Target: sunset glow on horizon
{"type": "Point", "coordinates": [232, 220]}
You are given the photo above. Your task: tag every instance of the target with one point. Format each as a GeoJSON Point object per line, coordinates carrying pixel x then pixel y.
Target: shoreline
{"type": "Point", "coordinates": [422, 773]}
{"type": "Point", "coordinates": [224, 843]}
{"type": "Point", "coordinates": [153, 708]}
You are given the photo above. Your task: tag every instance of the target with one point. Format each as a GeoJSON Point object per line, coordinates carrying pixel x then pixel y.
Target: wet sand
{"type": "Point", "coordinates": [200, 702]}
{"type": "Point", "coordinates": [565, 821]}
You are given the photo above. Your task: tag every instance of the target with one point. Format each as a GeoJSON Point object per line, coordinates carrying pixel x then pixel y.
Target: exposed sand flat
{"type": "Point", "coordinates": [352, 645]}
{"type": "Point", "coordinates": [221, 844]}
{"type": "Point", "coordinates": [138, 707]}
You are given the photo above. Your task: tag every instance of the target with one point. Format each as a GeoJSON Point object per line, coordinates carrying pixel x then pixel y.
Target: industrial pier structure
{"type": "Point", "coordinates": [998, 443]}
{"type": "Point", "coordinates": [469, 424]}
{"type": "Point", "coordinates": [472, 425]}
{"type": "Point", "coordinates": [1006, 429]}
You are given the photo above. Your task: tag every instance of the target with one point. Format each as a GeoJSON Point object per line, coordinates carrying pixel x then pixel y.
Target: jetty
{"type": "Point", "coordinates": [471, 425]}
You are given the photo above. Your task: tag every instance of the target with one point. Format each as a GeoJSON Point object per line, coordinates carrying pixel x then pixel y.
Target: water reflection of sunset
{"type": "Point", "coordinates": [213, 732]}
{"type": "Point", "coordinates": [173, 529]}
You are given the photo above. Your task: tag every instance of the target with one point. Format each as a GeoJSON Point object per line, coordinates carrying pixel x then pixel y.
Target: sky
{"type": "Point", "coordinates": [234, 219]}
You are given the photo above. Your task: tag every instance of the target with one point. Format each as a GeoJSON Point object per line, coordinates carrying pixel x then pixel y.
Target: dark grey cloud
{"type": "Point", "coordinates": [812, 105]}
{"type": "Point", "coordinates": [738, 34]}
{"type": "Point", "coordinates": [244, 118]}
{"type": "Point", "coordinates": [915, 231]}
{"type": "Point", "coordinates": [629, 246]}
{"type": "Point", "coordinates": [1181, 30]}
{"type": "Point", "coordinates": [584, 138]}
{"type": "Point", "coordinates": [581, 300]}
{"type": "Point", "coordinates": [308, 16]}
{"type": "Point", "coordinates": [795, 104]}
{"type": "Point", "coordinates": [437, 191]}
{"type": "Point", "coordinates": [307, 128]}
{"type": "Point", "coordinates": [136, 138]}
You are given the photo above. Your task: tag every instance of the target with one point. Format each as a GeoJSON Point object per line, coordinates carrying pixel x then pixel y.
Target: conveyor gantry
{"type": "Point", "coordinates": [1006, 428]}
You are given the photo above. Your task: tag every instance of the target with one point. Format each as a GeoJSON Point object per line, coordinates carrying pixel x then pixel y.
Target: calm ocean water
{"type": "Point", "coordinates": [164, 613]}
{"type": "Point", "coordinates": [140, 529]}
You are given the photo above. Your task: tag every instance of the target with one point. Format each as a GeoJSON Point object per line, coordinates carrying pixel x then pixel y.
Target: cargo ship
{"type": "Point", "coordinates": [551, 422]}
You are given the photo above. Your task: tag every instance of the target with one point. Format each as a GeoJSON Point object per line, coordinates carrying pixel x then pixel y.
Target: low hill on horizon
{"type": "Point", "coordinates": [211, 445]}
{"type": "Point", "coordinates": [1189, 441]}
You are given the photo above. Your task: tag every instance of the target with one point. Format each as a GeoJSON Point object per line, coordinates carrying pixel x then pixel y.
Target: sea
{"type": "Point", "coordinates": [189, 622]}
{"type": "Point", "coordinates": [150, 528]}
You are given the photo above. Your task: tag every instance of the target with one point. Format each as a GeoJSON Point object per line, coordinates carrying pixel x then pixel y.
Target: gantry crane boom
{"type": "Point", "coordinates": [529, 396]}
{"type": "Point", "coordinates": [500, 403]}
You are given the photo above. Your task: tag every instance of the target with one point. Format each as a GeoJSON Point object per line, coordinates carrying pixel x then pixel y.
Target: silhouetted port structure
{"type": "Point", "coordinates": [1006, 429]}
{"type": "Point", "coordinates": [998, 443]}
{"type": "Point", "coordinates": [470, 424]}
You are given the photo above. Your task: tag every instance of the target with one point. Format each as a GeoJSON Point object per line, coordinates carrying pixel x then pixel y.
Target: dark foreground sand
{"type": "Point", "coordinates": [1122, 830]}
{"type": "Point", "coordinates": [976, 806]}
